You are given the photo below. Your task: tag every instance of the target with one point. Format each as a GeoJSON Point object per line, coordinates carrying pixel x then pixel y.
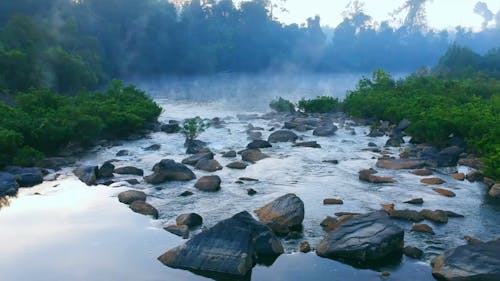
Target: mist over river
{"type": "Point", "coordinates": [64, 230]}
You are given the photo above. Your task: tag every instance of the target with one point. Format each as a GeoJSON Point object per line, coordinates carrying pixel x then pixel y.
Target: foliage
{"type": "Point", "coordinates": [320, 104]}
{"type": "Point", "coordinates": [193, 127]}
{"type": "Point", "coordinates": [282, 105]}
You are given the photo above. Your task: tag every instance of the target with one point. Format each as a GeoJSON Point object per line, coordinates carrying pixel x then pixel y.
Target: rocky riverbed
{"type": "Point", "coordinates": [335, 168]}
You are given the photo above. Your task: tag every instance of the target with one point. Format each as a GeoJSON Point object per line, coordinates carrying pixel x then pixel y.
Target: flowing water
{"type": "Point", "coordinates": [63, 230]}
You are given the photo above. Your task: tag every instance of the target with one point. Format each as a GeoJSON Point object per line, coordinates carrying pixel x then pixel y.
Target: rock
{"type": "Point", "coordinates": [495, 191]}
{"type": "Point", "coordinates": [293, 235]}
{"type": "Point", "coordinates": [422, 228]}
{"type": "Point", "coordinates": [469, 262]}
{"type": "Point", "coordinates": [209, 165]}
{"type": "Point", "coordinates": [489, 182]}
{"type": "Point", "coordinates": [248, 179]}
{"type": "Point", "coordinates": [325, 131]}
{"type": "Point", "coordinates": [334, 161]}
{"type": "Point", "coordinates": [458, 176]}
{"type": "Point", "coordinates": [432, 181]}
{"type": "Point", "coordinates": [170, 128]}
{"type": "Point", "coordinates": [195, 146]}
{"type": "Point", "coordinates": [340, 214]}
{"type": "Point", "coordinates": [253, 155]}
{"type": "Point", "coordinates": [208, 183]}
{"type": "Point", "coordinates": [229, 154]}
{"type": "Point", "coordinates": [394, 141]}
{"type": "Point", "coordinates": [473, 162]}
{"type": "Point", "coordinates": [190, 220]}
{"type": "Point", "coordinates": [332, 201]}
{"type": "Point", "coordinates": [403, 125]}
{"type": "Point", "coordinates": [130, 196]}
{"type": "Point", "coordinates": [445, 158]}
{"type": "Point", "coordinates": [438, 216]}
{"type": "Point", "coordinates": [452, 214]}
{"type": "Point", "coordinates": [258, 144]}
{"type": "Point", "coordinates": [253, 135]}
{"type": "Point", "coordinates": [154, 147]}
{"type": "Point", "coordinates": [8, 184]}
{"type": "Point", "coordinates": [179, 230]}
{"type": "Point", "coordinates": [123, 152]}
{"type": "Point", "coordinates": [415, 201]}
{"type": "Point", "coordinates": [372, 144]}
{"type": "Point", "coordinates": [106, 170]}
{"type": "Point", "coordinates": [413, 252]}
{"type": "Point", "coordinates": [282, 136]}
{"type": "Point", "coordinates": [132, 181]}
{"type": "Point", "coordinates": [444, 192]}
{"type": "Point", "coordinates": [474, 176]}
{"type": "Point", "coordinates": [237, 165]}
{"type": "Point", "coordinates": [368, 175]}
{"type": "Point", "coordinates": [87, 174]}
{"type": "Point", "coordinates": [194, 159]}
{"type": "Point", "coordinates": [421, 172]}
{"type": "Point", "coordinates": [410, 215]}
{"type": "Point", "coordinates": [186, 193]}
{"type": "Point", "coordinates": [472, 240]}
{"type": "Point", "coordinates": [26, 177]}
{"type": "Point", "coordinates": [169, 170]}
{"type": "Point", "coordinates": [368, 237]}
{"type": "Point", "coordinates": [397, 164]}
{"type": "Point", "coordinates": [129, 170]}
{"type": "Point", "coordinates": [330, 224]}
{"type": "Point", "coordinates": [232, 247]}
{"type": "Point", "coordinates": [287, 210]}
{"type": "Point", "coordinates": [251, 191]}
{"type": "Point", "coordinates": [385, 274]}
{"type": "Point", "coordinates": [312, 144]}
{"type": "Point", "coordinates": [144, 208]}
{"type": "Point", "coordinates": [305, 247]}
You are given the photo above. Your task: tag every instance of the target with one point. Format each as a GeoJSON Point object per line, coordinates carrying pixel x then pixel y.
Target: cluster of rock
{"type": "Point", "coordinates": [12, 178]}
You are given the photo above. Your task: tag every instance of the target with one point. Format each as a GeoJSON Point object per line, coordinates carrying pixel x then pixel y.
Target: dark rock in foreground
{"type": "Point", "coordinates": [179, 230]}
{"type": "Point", "coordinates": [253, 155]}
{"type": "Point", "coordinates": [208, 165]}
{"type": "Point", "coordinates": [287, 210]}
{"type": "Point", "coordinates": [169, 170]}
{"type": "Point", "coordinates": [190, 220]}
{"type": "Point", "coordinates": [208, 183]}
{"type": "Point", "coordinates": [413, 252]}
{"type": "Point", "coordinates": [144, 208]}
{"type": "Point", "coordinates": [232, 247]}
{"type": "Point", "coordinates": [129, 170]}
{"type": "Point", "coordinates": [106, 170]}
{"type": "Point", "coordinates": [130, 196]}
{"type": "Point", "coordinates": [363, 238]}
{"type": "Point", "coordinates": [87, 174]}
{"type": "Point", "coordinates": [480, 261]}
{"type": "Point", "coordinates": [8, 184]}
{"type": "Point", "coordinates": [259, 144]}
{"type": "Point", "coordinates": [194, 159]}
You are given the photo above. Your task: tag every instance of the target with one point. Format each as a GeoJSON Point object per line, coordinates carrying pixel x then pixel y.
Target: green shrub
{"type": "Point", "coordinates": [320, 104]}
{"type": "Point", "coordinates": [27, 156]}
{"type": "Point", "coordinates": [282, 105]}
{"type": "Point", "coordinates": [10, 142]}
{"type": "Point", "coordinates": [193, 127]}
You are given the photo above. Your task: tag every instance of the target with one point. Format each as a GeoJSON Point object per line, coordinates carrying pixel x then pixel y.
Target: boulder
{"type": "Point", "coordinates": [231, 247]}
{"type": "Point", "coordinates": [422, 228]}
{"type": "Point", "coordinates": [473, 162]}
{"type": "Point", "coordinates": [479, 261]}
{"type": "Point", "coordinates": [495, 191]}
{"type": "Point", "coordinates": [229, 154]}
{"type": "Point", "coordinates": [209, 165]}
{"type": "Point", "coordinates": [186, 193]}
{"type": "Point", "coordinates": [190, 220]}
{"type": "Point", "coordinates": [474, 176]}
{"type": "Point", "coordinates": [26, 177]}
{"type": "Point", "coordinates": [410, 215]}
{"type": "Point", "coordinates": [432, 181]}
{"type": "Point", "coordinates": [415, 201]}
{"type": "Point", "coordinates": [130, 196]}
{"type": "Point", "coordinates": [129, 170]}
{"type": "Point", "coordinates": [169, 170]}
{"type": "Point", "coordinates": [287, 210]}
{"type": "Point", "coordinates": [444, 192]}
{"type": "Point", "coordinates": [325, 131]}
{"type": "Point", "coordinates": [445, 158]}
{"type": "Point", "coordinates": [438, 216]}
{"type": "Point", "coordinates": [305, 247]}
{"type": "Point", "coordinates": [123, 152]}
{"type": "Point", "coordinates": [106, 170]}
{"type": "Point", "coordinates": [144, 208]}
{"type": "Point", "coordinates": [312, 144]}
{"type": "Point", "coordinates": [369, 176]}
{"type": "Point", "coordinates": [397, 164]}
{"type": "Point", "coordinates": [208, 183]}
{"type": "Point", "coordinates": [330, 223]}
{"type": "Point", "coordinates": [87, 174]}
{"type": "Point", "coordinates": [363, 238]}
{"type": "Point", "coordinates": [194, 159]}
{"type": "Point", "coordinates": [458, 176]}
{"type": "Point", "coordinates": [253, 155]}
{"type": "Point", "coordinates": [394, 141]}
{"type": "Point", "coordinates": [170, 128]}
{"type": "Point", "coordinates": [153, 147]}
{"type": "Point", "coordinates": [258, 144]}
{"type": "Point", "coordinates": [413, 252]}
{"type": "Point", "coordinates": [8, 184]}
{"type": "Point", "coordinates": [282, 136]}
{"type": "Point", "coordinates": [421, 172]}
{"type": "Point", "coordinates": [194, 146]}
{"type": "Point", "coordinates": [332, 201]}
{"type": "Point", "coordinates": [251, 191]}
{"type": "Point", "coordinates": [179, 230]}
{"type": "Point", "coordinates": [237, 165]}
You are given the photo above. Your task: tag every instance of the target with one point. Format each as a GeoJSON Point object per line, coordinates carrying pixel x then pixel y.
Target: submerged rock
{"type": "Point", "coordinates": [312, 144]}
{"type": "Point", "coordinates": [144, 208]}
{"type": "Point", "coordinates": [421, 172]}
{"type": "Point", "coordinates": [368, 175]}
{"type": "Point", "coordinates": [479, 261]}
{"type": "Point", "coordinates": [332, 201]}
{"type": "Point", "coordinates": [287, 210]}
{"type": "Point", "coordinates": [415, 201]}
{"type": "Point", "coordinates": [87, 174]}
{"type": "Point", "coordinates": [259, 144]}
{"type": "Point", "coordinates": [232, 247]}
{"type": "Point", "coordinates": [129, 170]}
{"type": "Point", "coordinates": [422, 228]}
{"type": "Point", "coordinates": [194, 159]}
{"type": "Point", "coordinates": [282, 136]}
{"type": "Point", "coordinates": [397, 164]}
{"type": "Point", "coordinates": [130, 196]}
{"type": "Point", "coordinates": [253, 155]}
{"type": "Point", "coordinates": [438, 216]}
{"type": "Point", "coordinates": [169, 170]}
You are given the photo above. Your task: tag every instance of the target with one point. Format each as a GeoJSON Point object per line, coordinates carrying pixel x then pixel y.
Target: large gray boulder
{"type": "Point", "coordinates": [169, 170]}
{"type": "Point", "coordinates": [325, 131]}
{"type": "Point", "coordinates": [285, 211]}
{"type": "Point", "coordinates": [87, 174]}
{"type": "Point", "coordinates": [8, 184]}
{"type": "Point", "coordinates": [282, 136]}
{"type": "Point", "coordinates": [232, 247]}
{"type": "Point", "coordinates": [363, 238]}
{"type": "Point", "coordinates": [194, 159]}
{"type": "Point", "coordinates": [253, 155]}
{"type": "Point", "coordinates": [474, 262]}
{"type": "Point", "coordinates": [26, 177]}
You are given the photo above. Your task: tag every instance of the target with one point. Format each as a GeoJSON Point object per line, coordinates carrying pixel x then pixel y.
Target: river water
{"type": "Point", "coordinates": [64, 230]}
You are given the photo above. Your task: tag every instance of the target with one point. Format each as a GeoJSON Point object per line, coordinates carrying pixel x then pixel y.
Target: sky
{"type": "Point", "coordinates": [441, 14]}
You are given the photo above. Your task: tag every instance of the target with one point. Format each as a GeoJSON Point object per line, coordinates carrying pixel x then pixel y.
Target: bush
{"type": "Point", "coordinates": [320, 104]}
{"type": "Point", "coordinates": [193, 127]}
{"type": "Point", "coordinates": [27, 156]}
{"type": "Point", "coordinates": [10, 142]}
{"type": "Point", "coordinates": [282, 105]}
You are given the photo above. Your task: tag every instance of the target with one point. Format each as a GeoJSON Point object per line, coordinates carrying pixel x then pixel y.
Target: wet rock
{"type": "Point", "coordinates": [287, 210]}
{"type": "Point", "coordinates": [469, 262]}
{"type": "Point", "coordinates": [363, 238]}
{"type": "Point", "coordinates": [438, 216]}
{"type": "Point", "coordinates": [144, 208]}
{"type": "Point", "coordinates": [293, 235]}
{"type": "Point", "coordinates": [472, 240]}
{"type": "Point", "coordinates": [8, 184]}
{"type": "Point", "coordinates": [190, 220]}
{"type": "Point", "coordinates": [229, 154]}
{"type": "Point", "coordinates": [253, 135]}
{"type": "Point", "coordinates": [385, 274]}
{"type": "Point", "coordinates": [397, 164]}
{"type": "Point", "coordinates": [305, 247]}
{"type": "Point", "coordinates": [209, 165]}
{"type": "Point", "coordinates": [186, 193]}
{"type": "Point", "coordinates": [237, 165]}
{"type": "Point", "coordinates": [340, 214]}
{"type": "Point", "coordinates": [422, 228]}
{"type": "Point", "coordinates": [334, 161]}
{"type": "Point", "coordinates": [495, 191]}
{"type": "Point", "coordinates": [123, 152]}
{"type": "Point", "coordinates": [170, 128]}
{"type": "Point", "coordinates": [312, 144]}
{"type": "Point", "coordinates": [26, 177]}
{"type": "Point", "coordinates": [132, 181]}
{"type": "Point", "coordinates": [458, 176]}
{"type": "Point", "coordinates": [195, 146]}
{"type": "Point", "coordinates": [253, 155]}
{"type": "Point", "coordinates": [403, 125]}
{"type": "Point", "coordinates": [129, 170]}
{"type": "Point", "coordinates": [369, 176]}
{"type": "Point", "coordinates": [332, 201]}
{"type": "Point", "coordinates": [330, 223]}
{"type": "Point", "coordinates": [444, 192]}
{"type": "Point", "coordinates": [130, 196]}
{"type": "Point", "coordinates": [413, 252]}
{"type": "Point", "coordinates": [232, 247]}
{"type": "Point", "coordinates": [154, 147]}
{"type": "Point", "coordinates": [432, 181]}
{"type": "Point", "coordinates": [282, 136]}
{"type": "Point", "coordinates": [208, 183]}
{"type": "Point", "coordinates": [325, 131]}
{"type": "Point", "coordinates": [415, 201]}
{"type": "Point", "coordinates": [106, 170]}
{"type": "Point", "coordinates": [394, 141]}
{"type": "Point", "coordinates": [410, 215]}
{"type": "Point", "coordinates": [169, 170]}
{"type": "Point", "coordinates": [452, 214]}
{"type": "Point", "coordinates": [372, 144]}
{"type": "Point", "coordinates": [194, 159]}
{"type": "Point", "coordinates": [473, 162]}
{"type": "Point", "coordinates": [258, 144]}
{"type": "Point", "coordinates": [445, 158]}
{"type": "Point", "coordinates": [179, 230]}
{"type": "Point", "coordinates": [474, 176]}
{"type": "Point", "coordinates": [421, 172]}
{"type": "Point", "coordinates": [248, 179]}
{"type": "Point", "coordinates": [87, 174]}
{"type": "Point", "coordinates": [251, 191]}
